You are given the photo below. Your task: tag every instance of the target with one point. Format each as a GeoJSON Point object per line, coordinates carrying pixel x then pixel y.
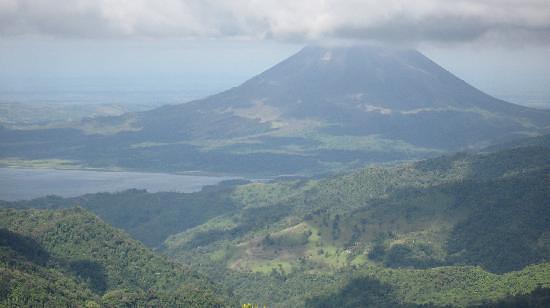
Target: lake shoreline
{"type": "Point", "coordinates": [30, 183]}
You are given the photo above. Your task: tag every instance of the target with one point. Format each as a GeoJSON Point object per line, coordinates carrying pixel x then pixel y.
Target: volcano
{"type": "Point", "coordinates": [324, 108]}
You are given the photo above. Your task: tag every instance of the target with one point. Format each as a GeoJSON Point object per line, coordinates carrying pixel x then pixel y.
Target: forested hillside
{"type": "Point", "coordinates": [460, 230]}
{"type": "Point", "coordinates": [148, 217]}
{"type": "Point", "coordinates": [71, 258]}
{"type": "Point", "coordinates": [490, 211]}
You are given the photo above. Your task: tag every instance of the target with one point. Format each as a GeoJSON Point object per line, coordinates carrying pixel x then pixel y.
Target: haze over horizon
{"type": "Point", "coordinates": [182, 49]}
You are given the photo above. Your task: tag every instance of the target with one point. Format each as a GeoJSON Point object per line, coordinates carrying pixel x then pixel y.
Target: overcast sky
{"type": "Point", "coordinates": [500, 46]}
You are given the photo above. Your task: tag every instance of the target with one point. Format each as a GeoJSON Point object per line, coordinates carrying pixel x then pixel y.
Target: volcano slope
{"type": "Point", "coordinates": [322, 109]}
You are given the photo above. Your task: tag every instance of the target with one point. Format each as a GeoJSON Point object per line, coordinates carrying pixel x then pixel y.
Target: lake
{"type": "Point", "coordinates": [19, 183]}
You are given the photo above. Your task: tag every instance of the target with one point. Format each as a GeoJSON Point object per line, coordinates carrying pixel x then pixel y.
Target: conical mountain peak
{"type": "Point", "coordinates": [323, 107]}
{"type": "Point", "coordinates": [318, 79]}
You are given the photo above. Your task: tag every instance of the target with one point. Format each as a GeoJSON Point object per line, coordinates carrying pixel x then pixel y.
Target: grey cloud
{"type": "Point", "coordinates": [418, 21]}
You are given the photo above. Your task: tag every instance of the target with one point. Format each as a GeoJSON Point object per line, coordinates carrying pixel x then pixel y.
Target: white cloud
{"type": "Point", "coordinates": [409, 21]}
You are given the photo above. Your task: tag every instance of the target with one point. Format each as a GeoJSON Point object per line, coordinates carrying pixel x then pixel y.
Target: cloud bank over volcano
{"type": "Point", "coordinates": [410, 22]}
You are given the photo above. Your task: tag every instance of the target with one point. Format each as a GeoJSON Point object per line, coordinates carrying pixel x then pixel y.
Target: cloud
{"type": "Point", "coordinates": [403, 21]}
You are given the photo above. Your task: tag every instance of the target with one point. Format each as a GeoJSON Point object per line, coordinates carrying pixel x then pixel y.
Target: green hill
{"type": "Point", "coordinates": [487, 210]}
{"type": "Point", "coordinates": [27, 280]}
{"type": "Point", "coordinates": [461, 230]}
{"type": "Point", "coordinates": [71, 258]}
{"type": "Point", "coordinates": [455, 286]}
{"type": "Point", "coordinates": [148, 217]}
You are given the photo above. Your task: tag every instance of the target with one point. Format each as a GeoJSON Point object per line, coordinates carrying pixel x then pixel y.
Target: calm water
{"type": "Point", "coordinates": [16, 184]}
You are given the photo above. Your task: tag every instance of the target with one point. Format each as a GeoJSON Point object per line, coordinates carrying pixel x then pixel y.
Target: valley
{"type": "Point", "coordinates": [462, 230]}
{"type": "Point", "coordinates": [353, 175]}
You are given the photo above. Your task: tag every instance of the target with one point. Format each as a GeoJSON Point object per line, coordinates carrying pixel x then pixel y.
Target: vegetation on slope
{"type": "Point", "coordinates": [455, 286]}
{"type": "Point", "coordinates": [148, 217]}
{"type": "Point", "coordinates": [71, 257]}
{"type": "Point", "coordinates": [464, 229]}
{"type": "Point", "coordinates": [489, 210]}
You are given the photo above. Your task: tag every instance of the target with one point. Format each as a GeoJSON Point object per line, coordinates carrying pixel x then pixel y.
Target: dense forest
{"type": "Point", "coordinates": [71, 258]}
{"type": "Point", "coordinates": [148, 217]}
{"type": "Point", "coordinates": [468, 229]}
